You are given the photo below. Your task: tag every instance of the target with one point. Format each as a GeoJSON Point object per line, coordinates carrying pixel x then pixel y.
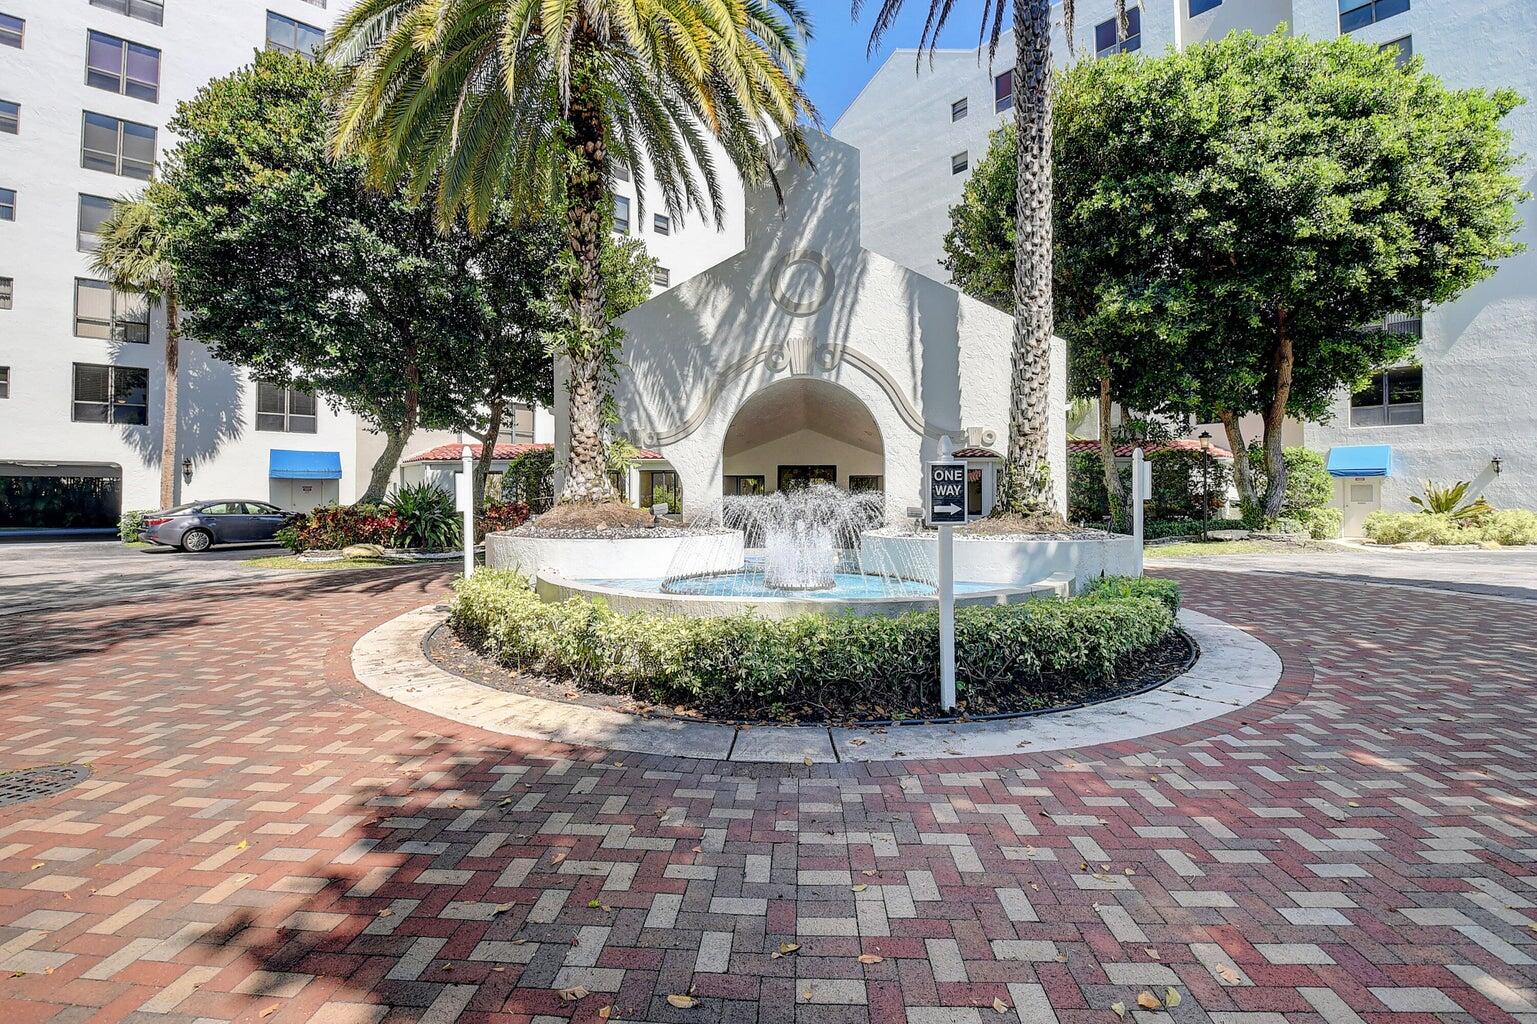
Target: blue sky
{"type": "Point", "coordinates": [836, 65]}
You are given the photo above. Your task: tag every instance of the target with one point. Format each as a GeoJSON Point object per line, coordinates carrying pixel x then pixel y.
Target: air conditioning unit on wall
{"type": "Point", "coordinates": [981, 437]}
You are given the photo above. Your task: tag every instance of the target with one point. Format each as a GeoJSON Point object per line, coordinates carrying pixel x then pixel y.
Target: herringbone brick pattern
{"type": "Point", "coordinates": [262, 840]}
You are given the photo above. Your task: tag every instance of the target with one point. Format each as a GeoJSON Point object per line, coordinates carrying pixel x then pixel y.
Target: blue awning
{"type": "Point", "coordinates": [291, 465]}
{"type": "Point", "coordinates": [1361, 460]}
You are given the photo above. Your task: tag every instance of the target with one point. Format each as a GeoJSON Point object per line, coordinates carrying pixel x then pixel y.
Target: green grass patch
{"type": "Point", "coordinates": [295, 562]}
{"type": "Point", "coordinates": [1204, 549]}
{"type": "Point", "coordinates": [138, 545]}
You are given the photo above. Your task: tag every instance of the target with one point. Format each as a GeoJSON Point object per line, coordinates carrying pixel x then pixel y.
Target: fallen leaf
{"type": "Point", "coordinates": [806, 994]}
{"type": "Point", "coordinates": [593, 904]}
{"type": "Point", "coordinates": [604, 1012]}
{"type": "Point", "coordinates": [861, 887]}
{"type": "Point", "coordinates": [786, 948]}
{"type": "Point", "coordinates": [502, 908]}
{"type": "Point", "coordinates": [870, 958]}
{"type": "Point", "coordinates": [1000, 1005]}
{"type": "Point", "coordinates": [559, 857]}
{"type": "Point", "coordinates": [1228, 975]}
{"type": "Point", "coordinates": [1314, 769]}
{"type": "Point", "coordinates": [1148, 1001]}
{"type": "Point", "coordinates": [519, 942]}
{"type": "Point", "coordinates": [1119, 1009]}
{"type": "Point", "coordinates": [1172, 998]}
{"type": "Point", "coordinates": [242, 845]}
{"type": "Point", "coordinates": [269, 1011]}
{"type": "Point", "coordinates": [1152, 953]}
{"type": "Point", "coordinates": [386, 912]}
{"type": "Point", "coordinates": [576, 992]}
{"type": "Point", "coordinates": [806, 760]}
{"type": "Point", "coordinates": [869, 872]}
{"type": "Point", "coordinates": [683, 1002]}
{"type": "Point", "coordinates": [857, 742]}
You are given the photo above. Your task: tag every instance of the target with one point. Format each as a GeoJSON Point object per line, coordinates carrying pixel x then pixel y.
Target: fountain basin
{"type": "Point", "coordinates": [617, 558]}
{"type": "Point", "coordinates": [1016, 561]}
{"type": "Point", "coordinates": [871, 596]}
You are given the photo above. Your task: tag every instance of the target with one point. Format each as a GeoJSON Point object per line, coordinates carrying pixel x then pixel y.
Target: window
{"type": "Point", "coordinates": [1404, 46]}
{"type": "Point", "coordinates": [619, 171]}
{"type": "Point", "coordinates": [621, 215]}
{"type": "Point", "coordinates": [958, 109]}
{"type": "Point", "coordinates": [860, 483]}
{"type": "Point", "coordinates": [1003, 92]}
{"type": "Point", "coordinates": [117, 147]}
{"type": "Point", "coordinates": [661, 277]}
{"type": "Point", "coordinates": [103, 312]}
{"type": "Point", "coordinates": [285, 409]}
{"type": "Point", "coordinates": [1392, 398]}
{"type": "Point", "coordinates": [5, 382]}
{"type": "Point", "coordinates": [12, 29]}
{"type": "Point", "coordinates": [958, 163]}
{"type": "Point", "coordinates": [520, 429]}
{"type": "Point", "coordinates": [1356, 14]}
{"type": "Point", "coordinates": [661, 223]}
{"type": "Point", "coordinates": [7, 292]}
{"type": "Point", "coordinates": [1106, 41]}
{"type": "Point", "coordinates": [7, 204]}
{"type": "Point", "coordinates": [152, 11]}
{"type": "Point", "coordinates": [738, 485]}
{"type": "Point", "coordinates": [663, 487]}
{"type": "Point", "coordinates": [117, 65]}
{"type": "Point", "coordinates": [292, 36]}
{"type": "Point", "coordinates": [1202, 6]}
{"type": "Point", "coordinates": [111, 394]}
{"type": "Point", "coordinates": [92, 214]}
{"type": "Point", "coordinates": [1399, 323]}
{"type": "Point", "coordinates": [10, 117]}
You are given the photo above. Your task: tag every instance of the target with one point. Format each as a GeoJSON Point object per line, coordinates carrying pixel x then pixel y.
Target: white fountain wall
{"type": "Point", "coordinates": [1017, 563]}
{"type": "Point", "coordinates": [628, 558]}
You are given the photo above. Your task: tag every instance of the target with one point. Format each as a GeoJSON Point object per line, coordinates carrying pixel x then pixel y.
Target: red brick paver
{"type": "Point", "coordinates": [262, 840]}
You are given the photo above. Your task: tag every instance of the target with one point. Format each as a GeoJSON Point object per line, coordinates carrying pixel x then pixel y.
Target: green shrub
{"type": "Point", "coordinates": [1511, 526]}
{"type": "Point", "coordinates": [427, 517]}
{"type": "Point", "coordinates": [1322, 523]}
{"type": "Point", "coordinates": [1034, 654]}
{"type": "Point", "coordinates": [129, 524]}
{"type": "Point", "coordinates": [1157, 529]}
{"type": "Point", "coordinates": [1165, 592]}
{"type": "Point", "coordinates": [332, 527]}
{"type": "Point", "coordinates": [1288, 525]}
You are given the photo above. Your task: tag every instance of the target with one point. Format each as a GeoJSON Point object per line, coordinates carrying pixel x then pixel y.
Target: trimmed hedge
{"type": "Point", "coordinates": [130, 523]}
{"type": "Point", "coordinates": [1510, 526]}
{"type": "Point", "coordinates": [1039, 653]}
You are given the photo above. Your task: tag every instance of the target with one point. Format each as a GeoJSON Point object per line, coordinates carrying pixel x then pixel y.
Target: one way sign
{"type": "Point", "coordinates": [947, 493]}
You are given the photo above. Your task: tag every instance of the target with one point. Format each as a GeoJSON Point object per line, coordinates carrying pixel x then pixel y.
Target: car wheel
{"type": "Point", "coordinates": [196, 540]}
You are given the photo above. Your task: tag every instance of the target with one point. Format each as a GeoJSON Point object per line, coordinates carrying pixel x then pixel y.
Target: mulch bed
{"type": "Point", "coordinates": [1170, 657]}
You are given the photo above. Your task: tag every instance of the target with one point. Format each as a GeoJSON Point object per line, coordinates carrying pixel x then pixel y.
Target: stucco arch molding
{"type": "Point", "coordinates": [802, 359]}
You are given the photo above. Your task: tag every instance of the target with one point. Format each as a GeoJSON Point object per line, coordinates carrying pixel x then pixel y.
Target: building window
{"type": "Point", "coordinates": [152, 11]}
{"type": "Point", "coordinates": [1003, 92]}
{"type": "Point", "coordinates": [661, 223]}
{"type": "Point", "coordinates": [740, 485]}
{"type": "Point", "coordinates": [7, 292]}
{"type": "Point", "coordinates": [1106, 33]}
{"type": "Point", "coordinates": [662, 487]}
{"type": "Point", "coordinates": [1404, 48]}
{"type": "Point", "coordinates": [1202, 6]}
{"type": "Point", "coordinates": [860, 483]}
{"type": "Point", "coordinates": [93, 212]}
{"type": "Point", "coordinates": [111, 394]}
{"type": "Point", "coordinates": [120, 66]}
{"type": "Point", "coordinates": [619, 171]}
{"type": "Point", "coordinates": [103, 312]}
{"type": "Point", "coordinates": [958, 109]}
{"type": "Point", "coordinates": [5, 382]}
{"type": "Point", "coordinates": [12, 30]}
{"type": "Point", "coordinates": [10, 117]}
{"type": "Point", "coordinates": [661, 277]}
{"type": "Point", "coordinates": [1392, 398]}
{"type": "Point", "coordinates": [622, 215]}
{"type": "Point", "coordinates": [1356, 14]}
{"type": "Point", "coordinates": [116, 146]}
{"type": "Point", "coordinates": [285, 409]}
{"type": "Point", "coordinates": [521, 428]}
{"type": "Point", "coordinates": [290, 36]}
{"type": "Point", "coordinates": [958, 163]}
{"type": "Point", "coordinates": [7, 204]}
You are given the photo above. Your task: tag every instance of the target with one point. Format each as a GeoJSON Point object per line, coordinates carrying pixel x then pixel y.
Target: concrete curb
{"type": "Point", "coordinates": [1233, 671]}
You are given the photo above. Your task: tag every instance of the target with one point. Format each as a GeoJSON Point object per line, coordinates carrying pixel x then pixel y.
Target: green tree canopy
{"type": "Point", "coordinates": [1230, 216]}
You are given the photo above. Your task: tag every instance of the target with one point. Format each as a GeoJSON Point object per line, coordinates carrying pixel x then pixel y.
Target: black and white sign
{"type": "Point", "coordinates": [947, 493]}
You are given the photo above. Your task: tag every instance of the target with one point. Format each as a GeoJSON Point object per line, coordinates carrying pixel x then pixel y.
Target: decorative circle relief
{"type": "Point", "coordinates": [787, 285]}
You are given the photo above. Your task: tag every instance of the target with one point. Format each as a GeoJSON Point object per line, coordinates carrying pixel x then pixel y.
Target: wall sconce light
{"type": "Point", "coordinates": [186, 470]}
{"type": "Point", "coordinates": [1495, 463]}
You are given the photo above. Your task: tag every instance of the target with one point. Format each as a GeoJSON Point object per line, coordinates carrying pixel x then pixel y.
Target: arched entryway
{"type": "Point", "coordinates": [800, 431]}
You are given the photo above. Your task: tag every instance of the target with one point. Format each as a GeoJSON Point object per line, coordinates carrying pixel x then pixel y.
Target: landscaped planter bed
{"type": "Point", "coordinates": [1039, 655]}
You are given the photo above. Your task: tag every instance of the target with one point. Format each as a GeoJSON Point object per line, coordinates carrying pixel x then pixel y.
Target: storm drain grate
{"type": "Point", "coordinates": [35, 783]}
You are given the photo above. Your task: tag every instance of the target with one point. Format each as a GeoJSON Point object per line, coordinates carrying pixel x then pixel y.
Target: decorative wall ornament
{"type": "Point", "coordinates": [784, 270]}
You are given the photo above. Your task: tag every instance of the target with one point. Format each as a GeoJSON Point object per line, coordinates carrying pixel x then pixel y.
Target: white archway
{"type": "Point", "coordinates": [798, 430]}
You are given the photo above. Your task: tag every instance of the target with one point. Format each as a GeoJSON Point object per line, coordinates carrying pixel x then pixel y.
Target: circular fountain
{"type": "Point", "coordinates": [783, 554]}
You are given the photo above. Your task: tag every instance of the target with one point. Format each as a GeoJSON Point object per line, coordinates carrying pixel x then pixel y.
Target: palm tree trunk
{"type": "Point", "coordinates": [168, 415]}
{"type": "Point", "coordinates": [1027, 483]}
{"type": "Point", "coordinates": [589, 354]}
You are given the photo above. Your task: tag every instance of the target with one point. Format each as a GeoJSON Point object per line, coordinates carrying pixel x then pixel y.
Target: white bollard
{"type": "Point", "coordinates": [1139, 493]}
{"type": "Point", "coordinates": [466, 491]}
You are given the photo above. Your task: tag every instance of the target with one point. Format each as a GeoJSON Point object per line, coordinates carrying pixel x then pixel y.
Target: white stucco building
{"type": "Point", "coordinates": [920, 126]}
{"type": "Point", "coordinates": [86, 89]}
{"type": "Point", "coordinates": [809, 357]}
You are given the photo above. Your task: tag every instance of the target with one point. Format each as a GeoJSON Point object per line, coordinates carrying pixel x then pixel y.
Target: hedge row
{"type": "Point", "coordinates": [1036, 654]}
{"type": "Point", "coordinates": [1507, 527]}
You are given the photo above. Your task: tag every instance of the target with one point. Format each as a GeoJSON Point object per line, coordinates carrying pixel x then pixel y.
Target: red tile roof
{"type": "Point", "coordinates": [975, 453]}
{"type": "Point", "coordinates": [504, 451]}
{"type": "Point", "coordinates": [1179, 444]}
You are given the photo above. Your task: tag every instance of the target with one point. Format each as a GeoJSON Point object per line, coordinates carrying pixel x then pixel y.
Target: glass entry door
{"type": "Point", "coordinates": [796, 478]}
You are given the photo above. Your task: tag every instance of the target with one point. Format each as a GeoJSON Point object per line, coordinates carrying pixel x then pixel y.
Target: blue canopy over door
{"type": "Point", "coordinates": [292, 465]}
{"type": "Point", "coordinates": [1361, 460]}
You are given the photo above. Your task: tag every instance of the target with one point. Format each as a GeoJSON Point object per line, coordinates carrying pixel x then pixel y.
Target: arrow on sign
{"type": "Point", "coordinates": [947, 509]}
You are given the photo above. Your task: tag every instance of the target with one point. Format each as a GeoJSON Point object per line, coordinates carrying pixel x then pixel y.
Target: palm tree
{"type": "Point", "coordinates": [134, 256]}
{"type": "Point", "coordinates": [477, 101]}
{"type": "Point", "coordinates": [1026, 484]}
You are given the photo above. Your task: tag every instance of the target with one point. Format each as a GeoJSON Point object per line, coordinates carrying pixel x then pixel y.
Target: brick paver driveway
{"type": "Point", "coordinates": [262, 841]}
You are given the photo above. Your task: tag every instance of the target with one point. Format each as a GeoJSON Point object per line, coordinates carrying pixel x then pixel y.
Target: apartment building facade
{"type": "Point", "coordinates": [87, 88]}
{"type": "Point", "coordinates": [1461, 411]}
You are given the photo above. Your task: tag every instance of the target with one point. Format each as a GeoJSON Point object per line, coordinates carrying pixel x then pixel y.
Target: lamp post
{"type": "Point", "coordinates": [1205, 437]}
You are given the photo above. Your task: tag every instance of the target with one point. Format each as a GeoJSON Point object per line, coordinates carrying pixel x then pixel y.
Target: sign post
{"type": "Point", "coordinates": [1141, 490]}
{"type": "Point", "coordinates": [946, 506]}
{"type": "Point", "coordinates": [466, 495]}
